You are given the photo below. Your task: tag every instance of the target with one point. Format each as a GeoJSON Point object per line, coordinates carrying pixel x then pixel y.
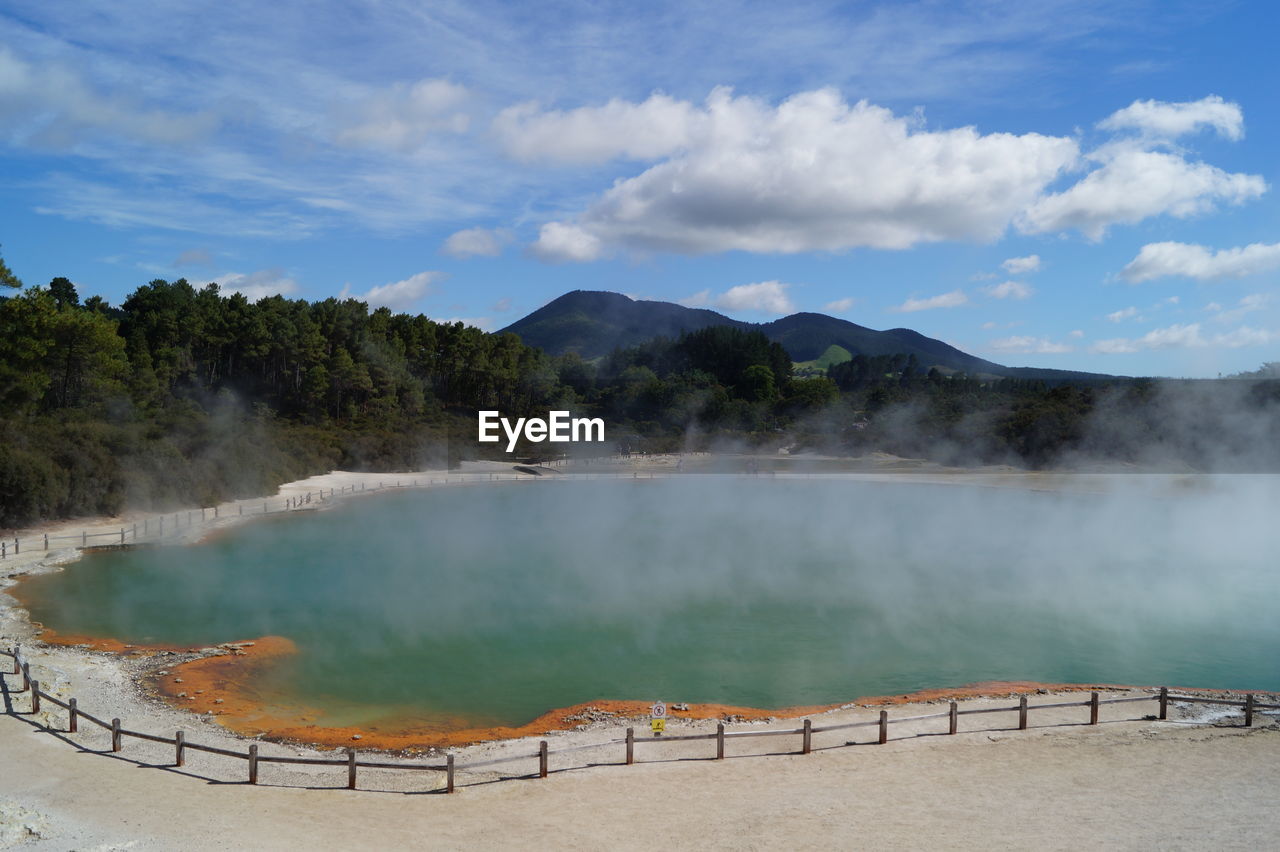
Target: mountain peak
{"type": "Point", "coordinates": [595, 322]}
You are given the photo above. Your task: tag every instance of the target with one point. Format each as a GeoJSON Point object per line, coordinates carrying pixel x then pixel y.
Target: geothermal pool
{"type": "Point", "coordinates": [494, 604]}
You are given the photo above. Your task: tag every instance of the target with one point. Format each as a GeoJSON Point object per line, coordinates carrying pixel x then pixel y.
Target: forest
{"type": "Point", "coordinates": [189, 396]}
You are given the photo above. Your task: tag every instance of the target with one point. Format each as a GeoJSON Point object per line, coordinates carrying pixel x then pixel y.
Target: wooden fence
{"type": "Point", "coordinates": [805, 732]}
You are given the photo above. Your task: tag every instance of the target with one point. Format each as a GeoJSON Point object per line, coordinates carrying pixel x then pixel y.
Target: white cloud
{"type": "Point", "coordinates": [1185, 337]}
{"type": "Point", "coordinates": [1021, 265]}
{"type": "Point", "coordinates": [644, 131]}
{"type": "Point", "coordinates": [1133, 184]}
{"type": "Point", "coordinates": [558, 242]}
{"type": "Point", "coordinates": [1245, 336]}
{"type": "Point", "coordinates": [839, 306]}
{"type": "Point", "coordinates": [48, 105]}
{"type": "Point", "coordinates": [501, 306]}
{"type": "Point", "coordinates": [257, 285]}
{"type": "Point", "coordinates": [475, 242]}
{"type": "Point", "coordinates": [766, 297]}
{"type": "Point", "coordinates": [1076, 333]}
{"type": "Point", "coordinates": [1170, 120]}
{"type": "Point", "coordinates": [403, 117]}
{"type": "Point", "coordinates": [1009, 290]}
{"type": "Point", "coordinates": [817, 173]}
{"type": "Point", "coordinates": [946, 300]}
{"type": "Point", "coordinates": [1123, 314]}
{"type": "Point", "coordinates": [1247, 305]}
{"type": "Point", "coordinates": [1159, 260]}
{"type": "Point", "coordinates": [1035, 345]}
{"type": "Point", "coordinates": [399, 296]}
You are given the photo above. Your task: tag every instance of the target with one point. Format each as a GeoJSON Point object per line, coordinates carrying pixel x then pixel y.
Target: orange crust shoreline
{"type": "Point", "coordinates": [222, 685]}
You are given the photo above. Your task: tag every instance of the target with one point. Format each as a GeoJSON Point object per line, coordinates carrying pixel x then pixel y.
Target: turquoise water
{"type": "Point", "coordinates": [499, 603]}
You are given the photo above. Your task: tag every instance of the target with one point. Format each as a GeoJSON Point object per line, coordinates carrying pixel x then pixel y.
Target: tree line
{"type": "Point", "coordinates": [183, 395]}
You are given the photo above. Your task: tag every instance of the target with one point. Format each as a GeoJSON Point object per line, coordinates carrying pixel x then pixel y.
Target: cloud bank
{"type": "Point", "coordinates": [1170, 259]}
{"type": "Point", "coordinates": [817, 173]}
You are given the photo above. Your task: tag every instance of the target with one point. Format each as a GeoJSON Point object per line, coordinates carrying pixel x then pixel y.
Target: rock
{"type": "Point", "coordinates": [19, 825]}
{"type": "Point", "coordinates": [178, 680]}
{"type": "Point", "coordinates": [217, 701]}
{"type": "Point", "coordinates": [356, 737]}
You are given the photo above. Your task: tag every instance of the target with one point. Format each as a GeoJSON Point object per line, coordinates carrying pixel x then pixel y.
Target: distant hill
{"type": "Point", "coordinates": [594, 323]}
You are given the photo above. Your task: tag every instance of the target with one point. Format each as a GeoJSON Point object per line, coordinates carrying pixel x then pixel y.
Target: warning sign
{"type": "Point", "coordinates": [658, 725]}
{"type": "Point", "coordinates": [658, 710]}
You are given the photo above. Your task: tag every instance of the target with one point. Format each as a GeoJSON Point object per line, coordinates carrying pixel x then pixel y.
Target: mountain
{"type": "Point", "coordinates": [594, 323]}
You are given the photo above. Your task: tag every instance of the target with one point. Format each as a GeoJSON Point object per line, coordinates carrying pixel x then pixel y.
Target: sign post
{"type": "Point", "coordinates": [658, 718]}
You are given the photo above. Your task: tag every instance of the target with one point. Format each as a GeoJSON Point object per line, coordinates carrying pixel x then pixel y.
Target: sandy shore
{"type": "Point", "coordinates": [1196, 782]}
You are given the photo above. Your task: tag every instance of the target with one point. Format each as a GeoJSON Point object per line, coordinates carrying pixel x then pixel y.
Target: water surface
{"type": "Point", "coordinates": [496, 604]}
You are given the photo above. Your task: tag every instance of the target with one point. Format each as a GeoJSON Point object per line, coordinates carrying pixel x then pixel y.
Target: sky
{"type": "Point", "coordinates": [1068, 183]}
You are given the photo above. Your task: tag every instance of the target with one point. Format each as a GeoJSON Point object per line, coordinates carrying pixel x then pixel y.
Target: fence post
{"type": "Point", "coordinates": [1022, 713]}
{"type": "Point", "coordinates": [954, 716]}
{"type": "Point", "coordinates": [135, 532]}
{"type": "Point", "coordinates": [17, 546]}
{"type": "Point", "coordinates": [1164, 702]}
{"type": "Point", "coordinates": [122, 535]}
{"type": "Point", "coordinates": [542, 746]}
{"type": "Point", "coordinates": [720, 741]}
{"type": "Point", "coordinates": [26, 677]}
{"type": "Point", "coordinates": [884, 727]}
{"type": "Point", "coordinates": [253, 764]}
{"type": "Point", "coordinates": [215, 513]}
{"type": "Point", "coordinates": [1248, 710]}
{"type": "Point", "coordinates": [448, 778]}
{"type": "Point", "coordinates": [162, 525]}
{"type": "Point", "coordinates": [17, 669]}
{"type": "Point", "coordinates": [35, 696]}
{"type": "Point", "coordinates": [351, 769]}
{"type": "Point", "coordinates": [631, 745]}
{"type": "Point", "coordinates": [1093, 708]}
{"type": "Point", "coordinates": [179, 747]}
{"type": "Point", "coordinates": [202, 515]}
{"type": "Point", "coordinates": [806, 741]}
{"type": "Point", "coordinates": [4, 550]}
{"type": "Point", "coordinates": [84, 537]}
{"type": "Point", "coordinates": [46, 541]}
{"type": "Point", "coordinates": [264, 507]}
{"type": "Point", "coordinates": [73, 717]}
{"type": "Point", "coordinates": [115, 734]}
{"type": "Point", "coordinates": [241, 508]}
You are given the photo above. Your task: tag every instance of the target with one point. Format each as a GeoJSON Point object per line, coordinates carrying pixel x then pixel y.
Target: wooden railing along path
{"type": "Point", "coordinates": [450, 767]}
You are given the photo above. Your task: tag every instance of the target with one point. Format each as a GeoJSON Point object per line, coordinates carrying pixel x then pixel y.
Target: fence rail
{"type": "Point", "coordinates": [351, 761]}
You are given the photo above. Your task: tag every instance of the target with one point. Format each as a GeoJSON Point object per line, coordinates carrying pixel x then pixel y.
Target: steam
{"type": "Point", "coordinates": [502, 602]}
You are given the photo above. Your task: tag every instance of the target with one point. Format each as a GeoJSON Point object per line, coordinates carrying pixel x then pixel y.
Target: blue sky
{"type": "Point", "coordinates": [1083, 185]}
